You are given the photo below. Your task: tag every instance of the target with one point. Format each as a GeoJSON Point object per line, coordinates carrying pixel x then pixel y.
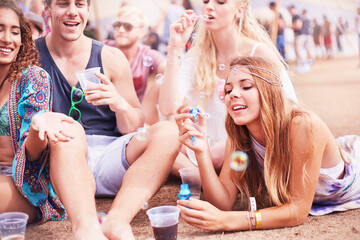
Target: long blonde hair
{"type": "Point", "coordinates": [276, 115]}
{"type": "Point", "coordinates": [205, 71]}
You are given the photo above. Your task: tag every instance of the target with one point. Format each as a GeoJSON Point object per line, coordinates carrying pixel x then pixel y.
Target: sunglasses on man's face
{"type": "Point", "coordinates": [76, 97]}
{"type": "Point", "coordinates": [127, 26]}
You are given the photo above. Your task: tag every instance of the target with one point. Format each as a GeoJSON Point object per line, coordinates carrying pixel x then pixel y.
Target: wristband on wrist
{"type": "Point", "coordinates": [253, 206]}
{"type": "Point", "coordinates": [258, 219]}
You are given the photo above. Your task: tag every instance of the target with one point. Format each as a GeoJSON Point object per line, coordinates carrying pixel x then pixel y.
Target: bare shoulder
{"type": "Point", "coordinates": [308, 127]}
{"type": "Point", "coordinates": [114, 62]}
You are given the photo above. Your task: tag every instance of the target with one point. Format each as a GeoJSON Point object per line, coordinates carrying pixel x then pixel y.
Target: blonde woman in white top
{"type": "Point", "coordinates": [226, 29]}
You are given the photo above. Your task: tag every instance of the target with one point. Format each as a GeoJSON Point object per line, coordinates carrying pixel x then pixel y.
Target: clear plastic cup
{"type": "Point", "coordinates": [164, 221]}
{"type": "Point", "coordinates": [13, 225]}
{"type": "Point", "coordinates": [191, 177]}
{"type": "Point", "coordinates": [88, 78]}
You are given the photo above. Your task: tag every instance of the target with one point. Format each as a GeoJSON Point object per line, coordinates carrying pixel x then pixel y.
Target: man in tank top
{"type": "Point", "coordinates": [129, 168]}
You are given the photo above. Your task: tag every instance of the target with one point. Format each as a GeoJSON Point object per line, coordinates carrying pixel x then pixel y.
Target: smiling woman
{"type": "Point", "coordinates": [295, 165]}
{"type": "Point", "coordinates": [25, 122]}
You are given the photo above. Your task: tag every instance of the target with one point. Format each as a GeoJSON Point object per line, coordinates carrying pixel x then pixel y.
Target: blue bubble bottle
{"type": "Point", "coordinates": [184, 193]}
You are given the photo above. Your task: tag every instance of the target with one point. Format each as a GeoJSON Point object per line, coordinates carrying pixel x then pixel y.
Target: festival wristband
{"type": "Point", "coordinates": [253, 204]}
{"type": "Point", "coordinates": [258, 219]}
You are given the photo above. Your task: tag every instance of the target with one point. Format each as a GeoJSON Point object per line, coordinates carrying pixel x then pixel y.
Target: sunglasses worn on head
{"type": "Point", "coordinates": [127, 26]}
{"type": "Point", "coordinates": [77, 96]}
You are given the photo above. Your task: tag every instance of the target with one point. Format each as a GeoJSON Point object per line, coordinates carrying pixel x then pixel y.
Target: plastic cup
{"type": "Point", "coordinates": [164, 221]}
{"type": "Point", "coordinates": [87, 79]}
{"type": "Point", "coordinates": [13, 225]}
{"type": "Point", "coordinates": [191, 177]}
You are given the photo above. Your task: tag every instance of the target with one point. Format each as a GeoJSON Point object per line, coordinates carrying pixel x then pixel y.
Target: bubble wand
{"type": "Point", "coordinates": [195, 112]}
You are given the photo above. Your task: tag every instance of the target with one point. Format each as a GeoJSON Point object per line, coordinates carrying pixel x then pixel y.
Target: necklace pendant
{"type": "Point", "coordinates": [221, 67]}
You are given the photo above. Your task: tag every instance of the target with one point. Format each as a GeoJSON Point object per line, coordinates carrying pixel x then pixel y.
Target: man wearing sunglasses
{"type": "Point", "coordinates": [117, 164]}
{"type": "Point", "coordinates": [129, 29]}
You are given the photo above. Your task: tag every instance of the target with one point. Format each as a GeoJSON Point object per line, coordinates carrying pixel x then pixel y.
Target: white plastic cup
{"type": "Point", "coordinates": [164, 221]}
{"type": "Point", "coordinates": [191, 177]}
{"type": "Point", "coordinates": [13, 225]}
{"type": "Point", "coordinates": [88, 78]}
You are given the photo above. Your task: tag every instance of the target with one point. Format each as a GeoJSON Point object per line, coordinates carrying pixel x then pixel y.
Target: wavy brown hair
{"type": "Point", "coordinates": [276, 115]}
{"type": "Point", "coordinates": [28, 54]}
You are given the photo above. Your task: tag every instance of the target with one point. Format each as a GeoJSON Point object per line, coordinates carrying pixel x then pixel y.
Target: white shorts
{"type": "Point", "coordinates": [107, 160]}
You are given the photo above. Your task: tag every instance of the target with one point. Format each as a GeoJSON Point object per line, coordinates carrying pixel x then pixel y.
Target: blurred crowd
{"type": "Point", "coordinates": [302, 41]}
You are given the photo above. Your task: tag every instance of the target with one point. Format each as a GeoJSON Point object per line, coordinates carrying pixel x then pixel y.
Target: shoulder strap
{"type": "Point", "coordinates": [254, 48]}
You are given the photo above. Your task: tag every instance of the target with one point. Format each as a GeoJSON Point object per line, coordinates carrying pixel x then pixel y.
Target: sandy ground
{"type": "Point", "coordinates": [332, 90]}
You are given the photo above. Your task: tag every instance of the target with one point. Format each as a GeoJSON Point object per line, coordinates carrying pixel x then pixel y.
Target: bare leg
{"type": "Point", "coordinates": [12, 200]}
{"type": "Point", "coordinates": [151, 163]}
{"type": "Point", "coordinates": [74, 183]}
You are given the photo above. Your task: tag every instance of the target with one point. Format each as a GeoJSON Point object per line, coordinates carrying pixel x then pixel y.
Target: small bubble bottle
{"type": "Point", "coordinates": [184, 193]}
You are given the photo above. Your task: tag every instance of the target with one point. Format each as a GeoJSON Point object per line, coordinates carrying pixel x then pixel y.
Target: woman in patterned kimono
{"type": "Point", "coordinates": [26, 125]}
{"type": "Point", "coordinates": [294, 165]}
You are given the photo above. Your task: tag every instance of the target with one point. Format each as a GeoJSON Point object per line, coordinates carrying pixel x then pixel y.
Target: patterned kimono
{"type": "Point", "coordinates": [29, 95]}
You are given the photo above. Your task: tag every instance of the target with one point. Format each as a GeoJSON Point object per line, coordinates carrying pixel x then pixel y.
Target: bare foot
{"type": "Point", "coordinates": [92, 232]}
{"type": "Point", "coordinates": [115, 229]}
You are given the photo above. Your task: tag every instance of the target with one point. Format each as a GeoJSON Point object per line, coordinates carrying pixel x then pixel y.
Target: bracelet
{"type": "Point", "coordinates": [258, 219]}
{"type": "Point", "coordinates": [248, 219]}
{"type": "Point", "coordinates": [252, 219]}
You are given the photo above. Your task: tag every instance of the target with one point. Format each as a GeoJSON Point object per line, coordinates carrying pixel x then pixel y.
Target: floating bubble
{"type": "Point", "coordinates": [101, 216]}
{"type": "Point", "coordinates": [239, 161]}
{"type": "Point", "coordinates": [205, 17]}
{"type": "Point", "coordinates": [141, 134]}
{"type": "Point", "coordinates": [145, 206]}
{"type": "Point", "coordinates": [193, 16]}
{"type": "Point", "coordinates": [222, 67]}
{"type": "Point", "coordinates": [235, 70]}
{"type": "Point", "coordinates": [159, 78]}
{"type": "Point", "coordinates": [220, 89]}
{"type": "Point", "coordinates": [194, 36]}
{"type": "Point", "coordinates": [205, 115]}
{"type": "Point", "coordinates": [147, 61]}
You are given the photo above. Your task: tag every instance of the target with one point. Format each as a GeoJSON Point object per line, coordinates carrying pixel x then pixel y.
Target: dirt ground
{"type": "Point", "coordinates": [332, 90]}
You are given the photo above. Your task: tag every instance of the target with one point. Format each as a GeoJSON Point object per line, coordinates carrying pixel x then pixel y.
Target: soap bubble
{"type": "Point", "coordinates": [239, 161]}
{"type": "Point", "coordinates": [141, 134]}
{"type": "Point", "coordinates": [206, 115]}
{"type": "Point", "coordinates": [101, 216]}
{"type": "Point", "coordinates": [145, 206]}
{"type": "Point", "coordinates": [159, 78]}
{"type": "Point", "coordinates": [222, 67]}
{"type": "Point", "coordinates": [194, 36]}
{"type": "Point", "coordinates": [147, 61]}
